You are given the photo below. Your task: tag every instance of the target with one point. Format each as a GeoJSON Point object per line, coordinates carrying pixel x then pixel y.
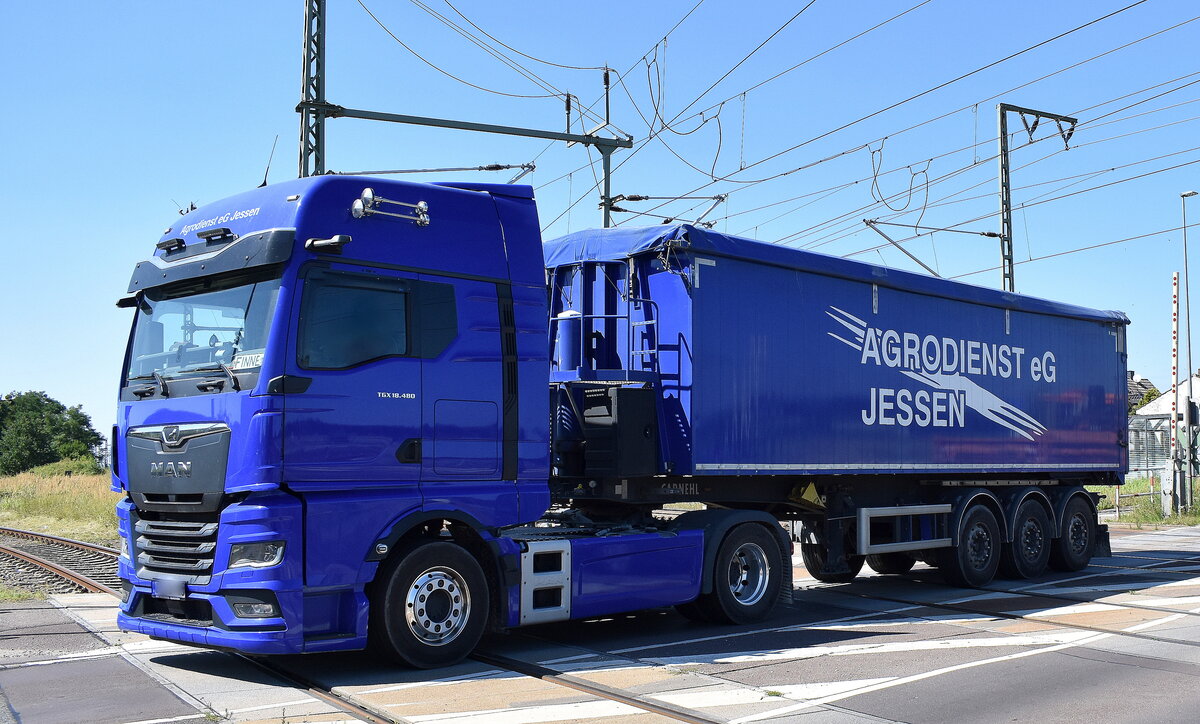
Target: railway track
{"type": "Point", "coordinates": [55, 565]}
{"type": "Point", "coordinates": [316, 684]}
{"type": "Point", "coordinates": [51, 564]}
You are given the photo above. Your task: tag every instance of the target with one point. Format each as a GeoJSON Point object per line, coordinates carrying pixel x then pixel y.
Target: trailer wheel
{"type": "Point", "coordinates": [1076, 538]}
{"type": "Point", "coordinates": [813, 555]}
{"type": "Point", "coordinates": [1029, 552]}
{"type": "Point", "coordinates": [973, 562]}
{"type": "Point", "coordinates": [430, 607]}
{"type": "Point", "coordinates": [747, 574]}
{"type": "Point", "coordinates": [891, 562]}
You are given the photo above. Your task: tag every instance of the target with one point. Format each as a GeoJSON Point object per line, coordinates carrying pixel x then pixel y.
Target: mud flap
{"type": "Point", "coordinates": [1103, 546]}
{"type": "Point", "coordinates": [787, 587]}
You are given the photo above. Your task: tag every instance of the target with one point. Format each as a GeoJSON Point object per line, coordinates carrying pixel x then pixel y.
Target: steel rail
{"type": "Point", "coordinates": [538, 671]}
{"type": "Point", "coordinates": [92, 547]}
{"type": "Point", "coordinates": [76, 578]}
{"type": "Point", "coordinates": [316, 690]}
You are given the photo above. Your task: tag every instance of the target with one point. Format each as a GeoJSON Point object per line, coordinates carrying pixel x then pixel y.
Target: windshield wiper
{"type": "Point", "coordinates": [162, 384]}
{"type": "Point", "coordinates": [218, 367]}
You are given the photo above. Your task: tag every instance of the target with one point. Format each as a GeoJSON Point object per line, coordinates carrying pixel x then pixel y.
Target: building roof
{"type": "Point", "coordinates": [1138, 387]}
{"type": "Point", "coordinates": [1162, 404]}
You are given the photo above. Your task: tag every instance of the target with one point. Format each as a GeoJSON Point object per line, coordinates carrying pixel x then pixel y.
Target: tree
{"type": "Point", "coordinates": [36, 429]}
{"type": "Point", "coordinates": [1151, 395]}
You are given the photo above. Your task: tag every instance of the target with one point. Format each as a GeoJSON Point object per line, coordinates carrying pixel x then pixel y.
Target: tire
{"type": "Point", "coordinates": [1033, 535]}
{"type": "Point", "coordinates": [429, 607]}
{"type": "Point", "coordinates": [891, 562]}
{"type": "Point", "coordinates": [973, 562]}
{"type": "Point", "coordinates": [747, 575]}
{"type": "Point", "coordinates": [1076, 542]}
{"type": "Point", "coordinates": [813, 555]}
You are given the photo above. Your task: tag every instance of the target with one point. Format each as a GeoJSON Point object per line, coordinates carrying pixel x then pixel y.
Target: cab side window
{"type": "Point", "coordinates": [350, 319]}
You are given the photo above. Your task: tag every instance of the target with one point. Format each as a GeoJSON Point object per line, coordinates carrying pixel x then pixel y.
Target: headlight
{"type": "Point", "coordinates": [255, 555]}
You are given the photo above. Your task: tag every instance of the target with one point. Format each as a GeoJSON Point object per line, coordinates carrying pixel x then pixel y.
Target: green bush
{"type": "Point", "coordinates": [71, 466]}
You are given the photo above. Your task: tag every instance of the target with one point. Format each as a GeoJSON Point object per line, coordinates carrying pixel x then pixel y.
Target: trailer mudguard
{"type": "Point", "coordinates": [967, 497]}
{"type": "Point", "coordinates": [717, 523]}
{"type": "Point", "coordinates": [1103, 544]}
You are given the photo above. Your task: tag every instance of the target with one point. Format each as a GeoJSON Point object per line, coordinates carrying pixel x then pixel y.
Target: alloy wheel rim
{"type": "Point", "coordinates": [749, 573]}
{"type": "Point", "coordinates": [437, 606]}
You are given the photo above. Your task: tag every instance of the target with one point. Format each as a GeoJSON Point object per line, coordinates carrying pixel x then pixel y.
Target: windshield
{"type": "Point", "coordinates": [219, 331]}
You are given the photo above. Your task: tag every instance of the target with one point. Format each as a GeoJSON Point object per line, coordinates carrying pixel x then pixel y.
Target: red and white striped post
{"type": "Point", "coordinates": [1169, 499]}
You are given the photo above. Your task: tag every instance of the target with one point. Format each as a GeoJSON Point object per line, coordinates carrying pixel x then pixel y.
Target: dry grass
{"type": "Point", "coordinates": [76, 506]}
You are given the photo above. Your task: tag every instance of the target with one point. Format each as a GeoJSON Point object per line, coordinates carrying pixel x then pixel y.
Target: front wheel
{"type": "Point", "coordinates": [430, 607]}
{"type": "Point", "coordinates": [973, 562]}
{"type": "Point", "coordinates": [747, 576]}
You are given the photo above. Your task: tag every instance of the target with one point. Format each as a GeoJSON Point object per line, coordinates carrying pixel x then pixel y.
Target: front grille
{"type": "Point", "coordinates": [174, 498]}
{"type": "Point", "coordinates": [177, 547]}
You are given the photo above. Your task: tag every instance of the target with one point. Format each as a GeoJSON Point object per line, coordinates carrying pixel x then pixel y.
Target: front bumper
{"type": "Point", "coordinates": [198, 609]}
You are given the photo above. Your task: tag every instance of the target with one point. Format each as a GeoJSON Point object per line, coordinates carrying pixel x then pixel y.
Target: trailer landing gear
{"type": "Point", "coordinates": [891, 562]}
{"type": "Point", "coordinates": [815, 553]}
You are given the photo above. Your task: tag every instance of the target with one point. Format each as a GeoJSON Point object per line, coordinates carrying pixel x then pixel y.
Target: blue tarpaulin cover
{"type": "Point", "coordinates": [622, 242]}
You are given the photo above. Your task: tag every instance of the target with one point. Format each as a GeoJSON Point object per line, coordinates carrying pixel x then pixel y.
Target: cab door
{"type": "Point", "coordinates": [352, 408]}
{"type": "Point", "coordinates": [464, 404]}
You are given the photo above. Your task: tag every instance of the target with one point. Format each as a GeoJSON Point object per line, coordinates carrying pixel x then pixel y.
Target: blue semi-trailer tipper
{"type": "Point", "coordinates": [361, 412]}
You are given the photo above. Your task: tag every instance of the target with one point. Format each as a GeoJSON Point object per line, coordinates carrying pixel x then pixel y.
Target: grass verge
{"type": "Point", "coordinates": [9, 594]}
{"type": "Point", "coordinates": [1141, 503]}
{"type": "Point", "coordinates": [72, 506]}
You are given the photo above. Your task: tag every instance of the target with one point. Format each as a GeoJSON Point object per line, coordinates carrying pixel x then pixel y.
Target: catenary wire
{"type": "Point", "coordinates": [944, 115]}
{"type": "Point", "coordinates": [501, 43]}
{"type": "Point", "coordinates": [927, 91]}
{"type": "Point", "coordinates": [444, 72]}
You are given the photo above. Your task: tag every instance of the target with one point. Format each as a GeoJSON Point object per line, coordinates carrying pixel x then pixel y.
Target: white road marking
{"type": "Point", "coordinates": [812, 652]}
{"type": "Point", "coordinates": [532, 714]}
{"type": "Point", "coordinates": [949, 669]}
{"type": "Point", "coordinates": [730, 697]}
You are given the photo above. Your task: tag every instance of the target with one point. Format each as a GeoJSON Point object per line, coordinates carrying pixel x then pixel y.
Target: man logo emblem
{"type": "Point", "coordinates": [181, 469]}
{"type": "Point", "coordinates": [170, 435]}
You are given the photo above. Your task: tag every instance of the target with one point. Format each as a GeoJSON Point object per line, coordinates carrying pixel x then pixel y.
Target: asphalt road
{"type": "Point", "coordinates": [1119, 641]}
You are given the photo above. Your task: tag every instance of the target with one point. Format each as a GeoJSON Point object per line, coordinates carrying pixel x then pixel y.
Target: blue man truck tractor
{"type": "Point", "coordinates": [360, 412]}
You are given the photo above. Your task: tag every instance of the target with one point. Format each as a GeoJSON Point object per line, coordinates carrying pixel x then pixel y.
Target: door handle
{"type": "Point", "coordinates": [409, 451]}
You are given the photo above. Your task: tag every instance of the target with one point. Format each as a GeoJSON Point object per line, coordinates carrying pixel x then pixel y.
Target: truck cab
{"type": "Point", "coordinates": [317, 371]}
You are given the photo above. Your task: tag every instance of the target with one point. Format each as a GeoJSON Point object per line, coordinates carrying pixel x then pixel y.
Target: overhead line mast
{"type": "Point", "coordinates": [314, 109]}
{"type": "Point", "coordinates": [1006, 234]}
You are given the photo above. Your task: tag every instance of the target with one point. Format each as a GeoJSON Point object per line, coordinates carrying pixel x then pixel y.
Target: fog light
{"type": "Point", "coordinates": [126, 589]}
{"type": "Point", "coordinates": [256, 555]}
{"type": "Point", "coordinates": [254, 610]}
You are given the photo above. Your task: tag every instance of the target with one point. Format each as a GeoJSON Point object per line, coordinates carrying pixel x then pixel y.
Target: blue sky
{"type": "Point", "coordinates": [119, 115]}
